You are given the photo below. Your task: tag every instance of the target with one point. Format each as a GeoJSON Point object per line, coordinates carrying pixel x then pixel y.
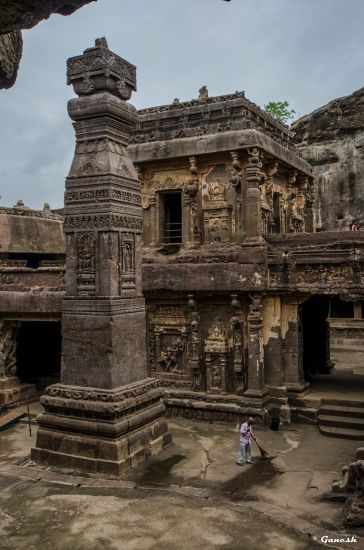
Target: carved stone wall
{"type": "Point", "coordinates": [198, 344]}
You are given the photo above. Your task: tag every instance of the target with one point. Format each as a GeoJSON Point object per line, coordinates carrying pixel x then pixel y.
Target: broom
{"type": "Point", "coordinates": [263, 453]}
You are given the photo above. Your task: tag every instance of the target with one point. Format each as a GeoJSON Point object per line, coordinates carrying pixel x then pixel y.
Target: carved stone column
{"type": "Point", "coordinates": [255, 348]}
{"type": "Point", "coordinates": [105, 415]}
{"type": "Point", "coordinates": [12, 391]}
{"type": "Point", "coordinates": [253, 204]}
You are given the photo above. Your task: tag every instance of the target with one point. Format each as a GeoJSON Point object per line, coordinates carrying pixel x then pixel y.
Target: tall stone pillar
{"type": "Point", "coordinates": [256, 386]}
{"type": "Point", "coordinates": [253, 215]}
{"type": "Point", "coordinates": [292, 346]}
{"type": "Point", "coordinates": [105, 415]}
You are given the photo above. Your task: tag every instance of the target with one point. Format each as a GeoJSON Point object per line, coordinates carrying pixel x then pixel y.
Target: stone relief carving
{"type": "Point", "coordinates": [216, 357]}
{"type": "Point", "coordinates": [127, 255]}
{"type": "Point", "coordinates": [170, 357]}
{"type": "Point", "coordinates": [86, 252]}
{"type": "Point", "coordinates": [7, 349]}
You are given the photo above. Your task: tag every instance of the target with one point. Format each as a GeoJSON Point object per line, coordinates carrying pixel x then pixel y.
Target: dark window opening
{"type": "Point", "coordinates": [341, 309]}
{"type": "Point", "coordinates": [171, 218]}
{"type": "Point", "coordinates": [39, 352]}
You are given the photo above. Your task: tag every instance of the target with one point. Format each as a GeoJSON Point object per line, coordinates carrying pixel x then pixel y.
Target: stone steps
{"type": "Point", "coordinates": [340, 410]}
{"type": "Point", "coordinates": [341, 421]}
{"type": "Point", "coordinates": [343, 402]}
{"type": "Point", "coordinates": [342, 418]}
{"type": "Point", "coordinates": [342, 433]}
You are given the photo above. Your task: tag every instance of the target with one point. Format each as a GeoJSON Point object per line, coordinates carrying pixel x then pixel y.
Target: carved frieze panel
{"type": "Point", "coordinates": [322, 274]}
{"type": "Point", "coordinates": [100, 195]}
{"type": "Point", "coordinates": [103, 221]}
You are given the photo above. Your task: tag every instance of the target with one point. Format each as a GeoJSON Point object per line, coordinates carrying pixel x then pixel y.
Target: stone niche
{"type": "Point", "coordinates": [169, 336]}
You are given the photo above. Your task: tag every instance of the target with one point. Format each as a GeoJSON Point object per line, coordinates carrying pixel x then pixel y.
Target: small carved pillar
{"type": "Point", "coordinates": [240, 378]}
{"type": "Point", "coordinates": [195, 346]}
{"type": "Point", "coordinates": [193, 223]}
{"type": "Point", "coordinates": [236, 181]}
{"type": "Point", "coordinates": [253, 215]}
{"type": "Point", "coordinates": [292, 345]}
{"type": "Point", "coordinates": [91, 421]}
{"type": "Point", "coordinates": [309, 202]}
{"type": "Point", "coordinates": [255, 348]}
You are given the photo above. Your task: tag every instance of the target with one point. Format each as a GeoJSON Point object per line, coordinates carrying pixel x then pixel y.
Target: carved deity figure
{"type": "Point", "coordinates": [216, 338]}
{"type": "Point", "coordinates": [216, 191]}
{"type": "Point", "coordinates": [86, 252]}
{"type": "Point", "coordinates": [169, 358]}
{"type": "Point", "coordinates": [127, 257]}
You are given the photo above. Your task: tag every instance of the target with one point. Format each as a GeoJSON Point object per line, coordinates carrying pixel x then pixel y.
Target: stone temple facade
{"type": "Point", "coordinates": [242, 302]}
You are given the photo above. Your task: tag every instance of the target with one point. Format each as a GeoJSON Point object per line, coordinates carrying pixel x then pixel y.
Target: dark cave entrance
{"type": "Point", "coordinates": [39, 345]}
{"type": "Point", "coordinates": [316, 336]}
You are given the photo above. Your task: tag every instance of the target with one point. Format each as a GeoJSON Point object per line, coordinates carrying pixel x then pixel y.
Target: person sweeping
{"type": "Point", "coordinates": [246, 437]}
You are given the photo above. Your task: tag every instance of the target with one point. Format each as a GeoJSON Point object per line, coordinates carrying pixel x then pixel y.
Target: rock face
{"type": "Point", "coordinates": [353, 484]}
{"type": "Point", "coordinates": [11, 47]}
{"type": "Point", "coordinates": [24, 14]}
{"type": "Point", "coordinates": [332, 140]}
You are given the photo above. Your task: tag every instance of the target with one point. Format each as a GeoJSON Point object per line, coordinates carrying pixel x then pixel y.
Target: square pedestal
{"type": "Point", "coordinates": [101, 431]}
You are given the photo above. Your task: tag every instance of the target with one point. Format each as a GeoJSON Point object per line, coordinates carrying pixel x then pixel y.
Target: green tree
{"type": "Point", "coordinates": [280, 110]}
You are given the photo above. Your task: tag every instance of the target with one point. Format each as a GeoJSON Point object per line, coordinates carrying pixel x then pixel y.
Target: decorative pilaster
{"type": "Point", "coordinates": [255, 348]}
{"type": "Point", "coordinates": [236, 181]}
{"type": "Point", "coordinates": [240, 378]}
{"type": "Point", "coordinates": [253, 204]}
{"type": "Point", "coordinates": [195, 345]}
{"type": "Point", "coordinates": [193, 236]}
{"type": "Point", "coordinates": [117, 415]}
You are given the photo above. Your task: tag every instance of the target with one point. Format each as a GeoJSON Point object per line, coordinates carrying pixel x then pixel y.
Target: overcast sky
{"type": "Point", "coordinates": [305, 51]}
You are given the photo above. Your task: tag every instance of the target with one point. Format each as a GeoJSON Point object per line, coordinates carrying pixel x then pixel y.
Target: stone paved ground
{"type": "Point", "coordinates": [193, 496]}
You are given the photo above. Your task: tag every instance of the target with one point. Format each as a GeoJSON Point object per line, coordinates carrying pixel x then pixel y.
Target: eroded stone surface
{"type": "Point", "coordinates": [331, 139]}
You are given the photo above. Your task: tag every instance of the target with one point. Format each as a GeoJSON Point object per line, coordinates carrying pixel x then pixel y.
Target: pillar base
{"type": "Point", "coordinates": [101, 431]}
{"type": "Point", "coordinates": [298, 387]}
{"type": "Point", "coordinates": [13, 392]}
{"type": "Point", "coordinates": [258, 393]}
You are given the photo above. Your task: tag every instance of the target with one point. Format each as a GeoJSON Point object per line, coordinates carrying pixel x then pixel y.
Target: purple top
{"type": "Point", "coordinates": [245, 433]}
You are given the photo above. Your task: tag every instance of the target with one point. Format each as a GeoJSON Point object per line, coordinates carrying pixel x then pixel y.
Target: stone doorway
{"type": "Point", "coordinates": [38, 352]}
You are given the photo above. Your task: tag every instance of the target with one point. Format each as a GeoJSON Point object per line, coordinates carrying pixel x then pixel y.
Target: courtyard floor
{"type": "Point", "coordinates": [193, 496]}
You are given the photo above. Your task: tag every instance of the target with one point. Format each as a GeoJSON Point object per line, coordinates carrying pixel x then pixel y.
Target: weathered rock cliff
{"type": "Point", "coordinates": [332, 139]}
{"type": "Point", "coordinates": [24, 14]}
